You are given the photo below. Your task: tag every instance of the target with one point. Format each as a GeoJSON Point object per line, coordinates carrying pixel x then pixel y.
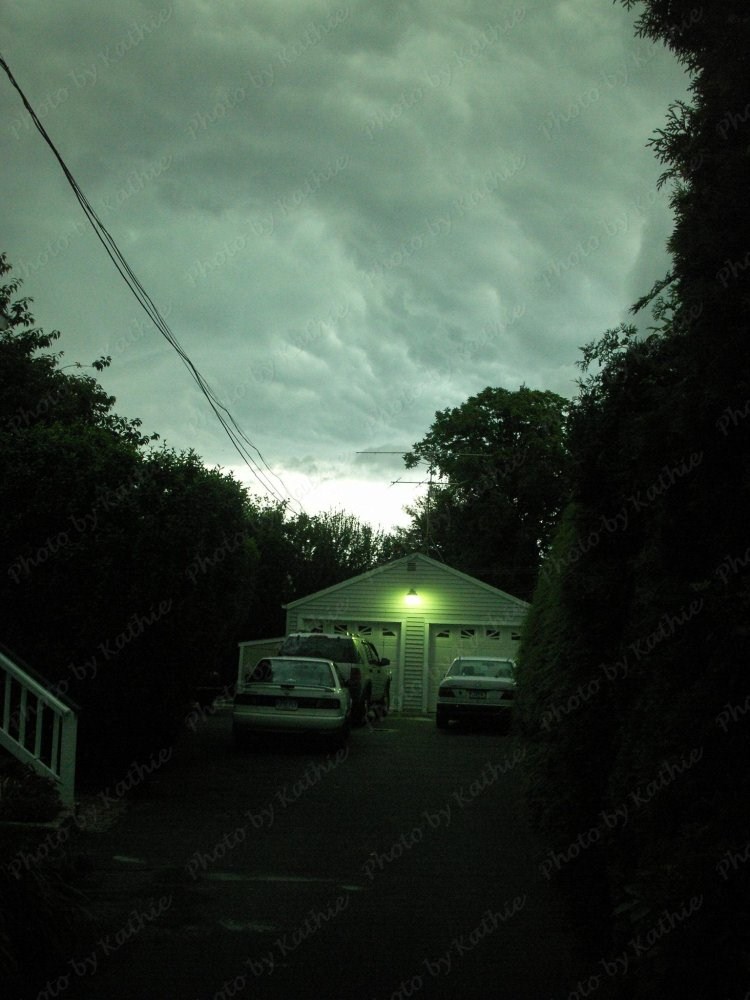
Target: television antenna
{"type": "Point", "coordinates": [416, 482]}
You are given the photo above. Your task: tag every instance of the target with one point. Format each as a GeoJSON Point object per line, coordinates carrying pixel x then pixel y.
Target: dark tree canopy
{"type": "Point", "coordinates": [132, 570]}
{"type": "Point", "coordinates": [634, 663]}
{"type": "Point", "coordinates": [126, 566]}
{"type": "Point", "coordinates": [502, 460]}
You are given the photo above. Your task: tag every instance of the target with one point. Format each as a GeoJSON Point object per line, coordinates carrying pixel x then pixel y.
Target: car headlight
{"type": "Point", "coordinates": [446, 693]}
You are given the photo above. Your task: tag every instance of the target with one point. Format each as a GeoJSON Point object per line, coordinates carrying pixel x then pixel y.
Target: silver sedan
{"type": "Point", "coordinates": [292, 694]}
{"type": "Point", "coordinates": [476, 686]}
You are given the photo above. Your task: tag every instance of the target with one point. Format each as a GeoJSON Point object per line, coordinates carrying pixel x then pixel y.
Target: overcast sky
{"type": "Point", "coordinates": [351, 215]}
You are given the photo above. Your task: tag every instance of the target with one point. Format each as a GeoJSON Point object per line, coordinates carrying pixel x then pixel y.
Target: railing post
{"type": "Point", "coordinates": [61, 765]}
{"type": "Point", "coordinates": [68, 760]}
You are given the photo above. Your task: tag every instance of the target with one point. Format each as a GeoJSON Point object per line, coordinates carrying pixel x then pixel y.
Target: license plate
{"type": "Point", "coordinates": [477, 694]}
{"type": "Point", "coordinates": [286, 704]}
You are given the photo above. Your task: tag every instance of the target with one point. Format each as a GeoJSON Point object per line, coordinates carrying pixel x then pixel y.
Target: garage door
{"type": "Point", "coordinates": [384, 635]}
{"type": "Point", "coordinates": [449, 641]}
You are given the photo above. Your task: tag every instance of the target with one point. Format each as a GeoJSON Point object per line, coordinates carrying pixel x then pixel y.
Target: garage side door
{"type": "Point", "coordinates": [449, 641]}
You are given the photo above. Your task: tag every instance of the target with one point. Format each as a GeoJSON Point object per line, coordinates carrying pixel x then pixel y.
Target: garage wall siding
{"type": "Point", "coordinates": [412, 673]}
{"type": "Point", "coordinates": [446, 597]}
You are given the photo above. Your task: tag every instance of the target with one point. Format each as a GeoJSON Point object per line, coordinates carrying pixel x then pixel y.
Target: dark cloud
{"type": "Point", "coordinates": [351, 215]}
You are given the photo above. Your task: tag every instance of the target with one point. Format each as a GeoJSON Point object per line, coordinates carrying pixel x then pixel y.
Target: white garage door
{"type": "Point", "coordinates": [449, 641]}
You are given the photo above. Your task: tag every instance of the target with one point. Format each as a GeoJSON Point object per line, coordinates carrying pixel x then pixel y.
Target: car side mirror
{"type": "Point", "coordinates": [384, 661]}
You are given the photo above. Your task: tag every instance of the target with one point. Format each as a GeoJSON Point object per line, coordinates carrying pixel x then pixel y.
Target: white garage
{"type": "Point", "coordinates": [419, 613]}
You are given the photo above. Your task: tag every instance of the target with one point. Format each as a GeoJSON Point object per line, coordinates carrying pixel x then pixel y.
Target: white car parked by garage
{"type": "Point", "coordinates": [476, 686]}
{"type": "Point", "coordinates": [292, 694]}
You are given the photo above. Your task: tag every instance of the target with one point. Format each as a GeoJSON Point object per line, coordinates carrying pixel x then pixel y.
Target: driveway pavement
{"type": "Point", "coordinates": [401, 867]}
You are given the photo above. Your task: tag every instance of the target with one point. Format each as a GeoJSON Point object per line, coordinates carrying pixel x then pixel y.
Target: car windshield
{"type": "Point", "coordinates": [482, 668]}
{"type": "Point", "coordinates": [302, 672]}
{"type": "Point", "coordinates": [329, 647]}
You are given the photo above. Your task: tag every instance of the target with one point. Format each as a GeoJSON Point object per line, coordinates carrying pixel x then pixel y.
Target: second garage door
{"type": "Point", "coordinates": [449, 641]}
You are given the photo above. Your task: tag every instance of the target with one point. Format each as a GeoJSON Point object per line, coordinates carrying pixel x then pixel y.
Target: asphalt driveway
{"type": "Point", "coordinates": [403, 866]}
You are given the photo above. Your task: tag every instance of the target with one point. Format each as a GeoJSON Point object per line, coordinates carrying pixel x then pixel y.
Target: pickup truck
{"type": "Point", "coordinates": [361, 669]}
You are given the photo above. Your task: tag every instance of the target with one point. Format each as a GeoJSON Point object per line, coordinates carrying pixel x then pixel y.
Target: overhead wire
{"type": "Point", "coordinates": [235, 433]}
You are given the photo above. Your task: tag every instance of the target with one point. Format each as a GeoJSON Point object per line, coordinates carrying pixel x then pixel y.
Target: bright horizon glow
{"type": "Point", "coordinates": [370, 501]}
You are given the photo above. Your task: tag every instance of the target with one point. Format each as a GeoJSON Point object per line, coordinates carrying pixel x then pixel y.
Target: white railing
{"type": "Point", "coordinates": [37, 727]}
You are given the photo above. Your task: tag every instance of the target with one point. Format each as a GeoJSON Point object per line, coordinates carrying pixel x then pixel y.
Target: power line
{"type": "Point", "coordinates": [235, 433]}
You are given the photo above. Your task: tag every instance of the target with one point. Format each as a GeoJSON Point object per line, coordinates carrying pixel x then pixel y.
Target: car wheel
{"type": "Point", "coordinates": [363, 709]}
{"type": "Point", "coordinates": [385, 705]}
{"type": "Point", "coordinates": [441, 719]}
{"type": "Point", "coordinates": [382, 707]}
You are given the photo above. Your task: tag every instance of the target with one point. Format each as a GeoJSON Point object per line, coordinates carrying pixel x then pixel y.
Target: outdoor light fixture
{"type": "Point", "coordinates": [412, 598]}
